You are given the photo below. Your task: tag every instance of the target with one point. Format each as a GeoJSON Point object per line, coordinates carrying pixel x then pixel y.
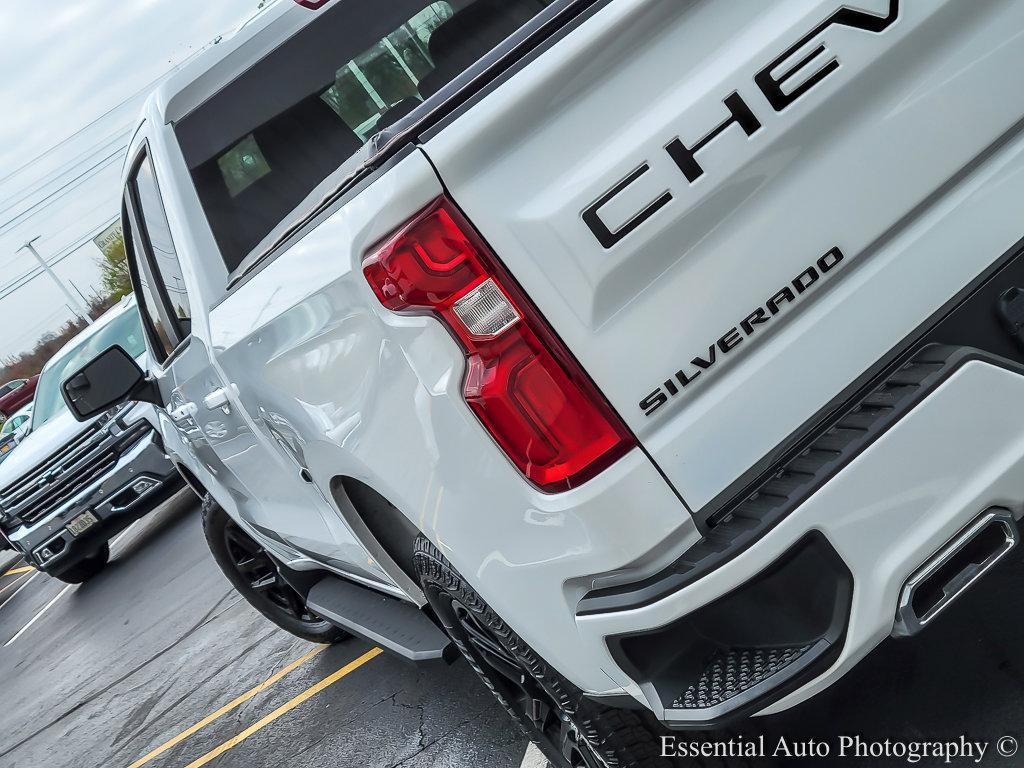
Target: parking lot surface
{"type": "Point", "coordinates": [157, 662]}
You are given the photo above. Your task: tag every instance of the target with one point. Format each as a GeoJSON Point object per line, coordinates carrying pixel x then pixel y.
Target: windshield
{"type": "Point", "coordinates": [262, 144]}
{"type": "Point", "coordinates": [124, 331]}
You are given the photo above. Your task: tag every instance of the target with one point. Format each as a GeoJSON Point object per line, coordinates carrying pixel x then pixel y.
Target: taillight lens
{"type": "Point", "coordinates": [521, 382]}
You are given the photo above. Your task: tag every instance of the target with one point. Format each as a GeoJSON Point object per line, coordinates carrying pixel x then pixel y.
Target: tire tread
{"type": "Point", "coordinates": [622, 738]}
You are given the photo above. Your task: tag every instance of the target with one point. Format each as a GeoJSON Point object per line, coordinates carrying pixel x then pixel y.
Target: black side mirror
{"type": "Point", "coordinates": [108, 380]}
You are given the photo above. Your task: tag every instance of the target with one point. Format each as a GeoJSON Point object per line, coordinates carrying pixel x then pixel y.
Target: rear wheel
{"type": "Point", "coordinates": [256, 576]}
{"type": "Point", "coordinates": [86, 568]}
{"type": "Point", "coordinates": [571, 730]}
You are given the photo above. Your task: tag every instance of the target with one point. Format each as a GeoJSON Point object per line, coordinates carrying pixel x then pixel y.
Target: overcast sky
{"type": "Point", "coordinates": [73, 76]}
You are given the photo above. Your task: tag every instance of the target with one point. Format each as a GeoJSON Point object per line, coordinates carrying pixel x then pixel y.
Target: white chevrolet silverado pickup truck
{"type": "Point", "coordinates": [663, 358]}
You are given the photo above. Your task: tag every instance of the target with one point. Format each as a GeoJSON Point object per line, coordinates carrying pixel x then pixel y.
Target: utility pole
{"type": "Point", "coordinates": [73, 301]}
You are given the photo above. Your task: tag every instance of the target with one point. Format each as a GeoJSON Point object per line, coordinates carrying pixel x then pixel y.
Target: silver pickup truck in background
{"type": "Point", "coordinates": [70, 487]}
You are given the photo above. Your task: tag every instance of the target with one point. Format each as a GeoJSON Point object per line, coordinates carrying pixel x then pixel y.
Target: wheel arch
{"type": "Point", "coordinates": [386, 532]}
{"type": "Point", "coordinates": [191, 480]}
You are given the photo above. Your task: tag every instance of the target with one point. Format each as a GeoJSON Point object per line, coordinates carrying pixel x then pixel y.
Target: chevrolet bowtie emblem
{"type": "Point", "coordinates": [48, 478]}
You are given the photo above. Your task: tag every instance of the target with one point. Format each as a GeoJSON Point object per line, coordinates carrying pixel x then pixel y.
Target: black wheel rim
{"type": "Point", "coordinates": [261, 573]}
{"type": "Point", "coordinates": [520, 689]}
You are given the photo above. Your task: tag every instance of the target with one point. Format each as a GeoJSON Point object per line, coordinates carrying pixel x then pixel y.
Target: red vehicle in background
{"type": "Point", "coordinates": [17, 393]}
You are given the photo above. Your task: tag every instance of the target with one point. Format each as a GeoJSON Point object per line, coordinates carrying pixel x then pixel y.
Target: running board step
{"type": "Point", "coordinates": [396, 626]}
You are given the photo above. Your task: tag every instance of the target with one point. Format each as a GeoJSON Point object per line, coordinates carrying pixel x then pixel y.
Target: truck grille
{"type": "Point", "coordinates": [82, 462]}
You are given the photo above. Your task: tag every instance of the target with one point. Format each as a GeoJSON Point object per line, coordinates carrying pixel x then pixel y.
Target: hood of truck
{"type": "Point", "coordinates": [727, 211]}
{"type": "Point", "coordinates": [40, 445]}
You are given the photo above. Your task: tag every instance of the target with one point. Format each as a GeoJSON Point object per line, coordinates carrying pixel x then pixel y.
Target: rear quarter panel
{"type": "Point", "coordinates": [372, 395]}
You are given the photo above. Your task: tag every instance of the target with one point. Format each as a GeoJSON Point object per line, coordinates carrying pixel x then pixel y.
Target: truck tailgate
{"type": "Point", "coordinates": [729, 211]}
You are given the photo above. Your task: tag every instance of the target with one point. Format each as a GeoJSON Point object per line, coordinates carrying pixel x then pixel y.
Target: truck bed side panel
{"type": "Point", "coordinates": [652, 191]}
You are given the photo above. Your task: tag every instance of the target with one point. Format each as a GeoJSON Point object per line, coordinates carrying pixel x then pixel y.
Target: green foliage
{"type": "Point", "coordinates": [115, 278]}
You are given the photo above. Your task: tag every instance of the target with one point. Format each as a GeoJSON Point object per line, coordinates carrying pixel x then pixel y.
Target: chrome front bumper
{"type": "Point", "coordinates": [140, 480]}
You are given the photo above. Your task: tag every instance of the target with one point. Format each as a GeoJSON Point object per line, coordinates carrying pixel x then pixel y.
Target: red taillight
{"type": "Point", "coordinates": [522, 383]}
{"type": "Point", "coordinates": [312, 4]}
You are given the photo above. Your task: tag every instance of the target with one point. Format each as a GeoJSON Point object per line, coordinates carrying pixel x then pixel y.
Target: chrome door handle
{"type": "Point", "coordinates": [184, 412]}
{"type": "Point", "coordinates": [217, 399]}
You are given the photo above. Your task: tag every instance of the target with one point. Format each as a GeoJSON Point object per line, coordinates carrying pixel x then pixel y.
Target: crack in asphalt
{"type": "Point", "coordinates": [307, 748]}
{"type": "Point", "coordinates": [422, 738]}
{"type": "Point", "coordinates": [281, 664]}
{"type": "Point", "coordinates": [137, 717]}
{"type": "Point", "coordinates": [218, 760]}
{"type": "Point", "coordinates": [148, 717]}
{"type": "Point", "coordinates": [424, 744]}
{"type": "Point", "coordinates": [209, 616]}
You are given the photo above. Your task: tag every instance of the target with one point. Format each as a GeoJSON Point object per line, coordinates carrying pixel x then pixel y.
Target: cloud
{"type": "Point", "coordinates": [66, 76]}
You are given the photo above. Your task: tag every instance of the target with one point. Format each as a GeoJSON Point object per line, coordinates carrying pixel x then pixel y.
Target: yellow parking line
{"type": "Point", "coordinates": [228, 707]}
{"type": "Point", "coordinates": [23, 569]}
{"type": "Point", "coordinates": [18, 580]}
{"type": "Point", "coordinates": [285, 708]}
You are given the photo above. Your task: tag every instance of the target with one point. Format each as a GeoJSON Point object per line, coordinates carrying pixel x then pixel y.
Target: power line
{"type": "Point", "coordinates": [61, 191]}
{"type": "Point", "coordinates": [67, 252]}
{"type": "Point", "coordinates": [8, 290]}
{"type": "Point", "coordinates": [28, 278]}
{"type": "Point", "coordinates": [73, 301]}
{"type": "Point", "coordinates": [140, 92]}
{"type": "Point", "coordinates": [15, 258]}
{"type": "Point", "coordinates": [143, 90]}
{"type": "Point", "coordinates": [80, 159]}
{"type": "Point", "coordinates": [82, 222]}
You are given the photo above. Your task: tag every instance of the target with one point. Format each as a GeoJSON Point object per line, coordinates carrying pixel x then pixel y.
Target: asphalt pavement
{"type": "Point", "coordinates": [157, 662]}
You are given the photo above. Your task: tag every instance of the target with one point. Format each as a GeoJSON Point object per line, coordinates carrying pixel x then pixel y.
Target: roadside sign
{"type": "Point", "coordinates": [109, 236]}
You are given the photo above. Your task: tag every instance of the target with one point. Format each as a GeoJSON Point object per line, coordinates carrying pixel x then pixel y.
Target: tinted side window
{"type": "Point", "coordinates": [148, 305]}
{"type": "Point", "coordinates": [166, 266]}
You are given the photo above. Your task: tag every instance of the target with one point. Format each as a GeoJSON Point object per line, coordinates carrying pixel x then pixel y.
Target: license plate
{"type": "Point", "coordinates": [82, 523]}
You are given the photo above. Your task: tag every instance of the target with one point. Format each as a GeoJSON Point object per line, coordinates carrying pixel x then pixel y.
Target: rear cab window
{"type": "Point", "coordinates": [258, 147]}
